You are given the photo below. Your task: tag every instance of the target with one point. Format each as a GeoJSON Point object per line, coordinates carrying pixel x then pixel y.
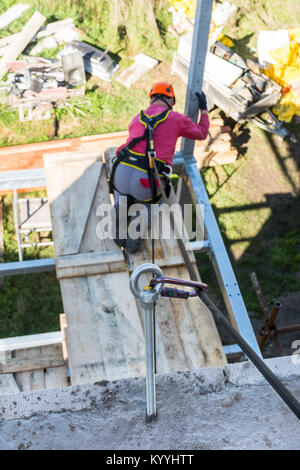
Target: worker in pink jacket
{"type": "Point", "coordinates": [130, 175]}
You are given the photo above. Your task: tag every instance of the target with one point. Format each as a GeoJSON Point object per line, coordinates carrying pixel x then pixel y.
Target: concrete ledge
{"type": "Point", "coordinates": [84, 397]}
{"type": "Point", "coordinates": [198, 382]}
{"type": "Point", "coordinates": [245, 373]}
{"type": "Point", "coordinates": [208, 408]}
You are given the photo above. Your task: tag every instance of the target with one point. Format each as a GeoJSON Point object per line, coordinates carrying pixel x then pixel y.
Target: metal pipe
{"type": "Point", "coordinates": [147, 298]}
{"type": "Point", "coordinates": [278, 386]}
{"type": "Point", "coordinates": [288, 329]}
{"type": "Point", "coordinates": [260, 296]}
{"type": "Point", "coordinates": [269, 326]}
{"type": "Point", "coordinates": [150, 362]}
{"type": "Point", "coordinates": [273, 315]}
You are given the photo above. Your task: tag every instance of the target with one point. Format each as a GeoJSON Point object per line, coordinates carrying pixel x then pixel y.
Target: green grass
{"type": "Point", "coordinates": [29, 303]}
{"type": "Point", "coordinates": [127, 28]}
{"type": "Point", "coordinates": [258, 219]}
{"type": "Point", "coordinates": [253, 16]}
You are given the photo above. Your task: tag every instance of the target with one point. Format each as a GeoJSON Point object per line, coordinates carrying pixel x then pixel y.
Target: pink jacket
{"type": "Point", "coordinates": [167, 132]}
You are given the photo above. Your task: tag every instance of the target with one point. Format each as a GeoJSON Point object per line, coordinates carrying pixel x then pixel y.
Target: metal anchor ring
{"type": "Point", "coordinates": [135, 276]}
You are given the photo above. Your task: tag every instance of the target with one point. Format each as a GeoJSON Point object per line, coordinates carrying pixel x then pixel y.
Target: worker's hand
{"type": "Point", "coordinates": [202, 101]}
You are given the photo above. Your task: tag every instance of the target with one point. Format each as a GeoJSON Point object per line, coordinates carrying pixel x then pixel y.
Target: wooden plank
{"type": "Point", "coordinates": [205, 159]}
{"type": "Point", "coordinates": [8, 385]}
{"type": "Point", "coordinates": [63, 327]}
{"type": "Point", "coordinates": [94, 339]}
{"type": "Point", "coordinates": [8, 39]}
{"type": "Point", "coordinates": [30, 341]}
{"type": "Point", "coordinates": [31, 358]}
{"type": "Point", "coordinates": [23, 39]}
{"type": "Point", "coordinates": [31, 380]}
{"type": "Point", "coordinates": [93, 239]}
{"type": "Point", "coordinates": [30, 352]}
{"type": "Point", "coordinates": [88, 264]}
{"type": "Point", "coordinates": [142, 64]}
{"type": "Point", "coordinates": [217, 145]}
{"type": "Point", "coordinates": [104, 335]}
{"type": "Point", "coordinates": [216, 132]}
{"type": "Point", "coordinates": [71, 184]}
{"type": "Point", "coordinates": [22, 157]}
{"type": "Point", "coordinates": [52, 28]}
{"type": "Point", "coordinates": [187, 329]}
{"type": "Point", "coordinates": [12, 14]}
{"type": "Point", "coordinates": [55, 377]}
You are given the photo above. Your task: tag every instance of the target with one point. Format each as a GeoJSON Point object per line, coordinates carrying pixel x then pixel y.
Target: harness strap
{"type": "Point", "coordinates": [150, 123]}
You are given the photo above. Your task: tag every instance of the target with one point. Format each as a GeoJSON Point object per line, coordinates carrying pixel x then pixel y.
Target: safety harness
{"type": "Point", "coordinates": [144, 162]}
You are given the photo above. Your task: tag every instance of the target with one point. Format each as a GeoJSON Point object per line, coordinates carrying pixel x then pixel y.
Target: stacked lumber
{"type": "Point", "coordinates": [217, 148]}
{"type": "Point", "coordinates": [30, 156]}
{"type": "Point", "coordinates": [103, 325]}
{"type": "Point", "coordinates": [32, 362]}
{"type": "Point", "coordinates": [102, 329]}
{"type": "Point", "coordinates": [187, 337]}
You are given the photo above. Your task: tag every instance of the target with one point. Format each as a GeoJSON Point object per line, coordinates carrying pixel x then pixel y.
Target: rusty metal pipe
{"type": "Point", "coordinates": [269, 325]}
{"type": "Point", "coordinates": [288, 329]}
{"type": "Point", "coordinates": [260, 295]}
{"type": "Point", "coordinates": [273, 315]}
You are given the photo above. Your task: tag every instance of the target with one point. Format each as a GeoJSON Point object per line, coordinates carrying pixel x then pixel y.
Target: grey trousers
{"type": "Point", "coordinates": [127, 181]}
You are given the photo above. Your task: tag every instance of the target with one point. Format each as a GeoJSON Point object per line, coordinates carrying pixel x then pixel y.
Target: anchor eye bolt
{"type": "Point", "coordinates": [154, 290]}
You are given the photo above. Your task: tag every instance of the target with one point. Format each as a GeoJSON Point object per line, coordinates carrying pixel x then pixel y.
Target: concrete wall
{"type": "Point", "coordinates": [209, 408]}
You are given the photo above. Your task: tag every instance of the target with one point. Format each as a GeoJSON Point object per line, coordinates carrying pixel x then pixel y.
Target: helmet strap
{"type": "Point", "coordinates": [161, 98]}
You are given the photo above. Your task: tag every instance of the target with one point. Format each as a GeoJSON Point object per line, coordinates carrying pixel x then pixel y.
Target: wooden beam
{"type": "Point", "coordinates": [31, 359]}
{"type": "Point", "coordinates": [88, 264]}
{"type": "Point", "coordinates": [63, 328]}
{"type": "Point", "coordinates": [8, 385]}
{"type": "Point", "coordinates": [23, 39]}
{"type": "Point", "coordinates": [12, 14]}
{"type": "Point", "coordinates": [212, 158]}
{"type": "Point", "coordinates": [31, 352]}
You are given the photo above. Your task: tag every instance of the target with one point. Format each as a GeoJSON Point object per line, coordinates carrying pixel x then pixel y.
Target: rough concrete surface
{"type": "Point", "coordinates": [210, 408]}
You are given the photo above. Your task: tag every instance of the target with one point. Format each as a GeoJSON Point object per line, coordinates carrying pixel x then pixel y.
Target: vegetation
{"type": "Point", "coordinates": [255, 200]}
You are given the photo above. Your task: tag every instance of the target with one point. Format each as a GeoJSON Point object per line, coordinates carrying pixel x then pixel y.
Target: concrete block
{"type": "Point", "coordinates": [245, 373]}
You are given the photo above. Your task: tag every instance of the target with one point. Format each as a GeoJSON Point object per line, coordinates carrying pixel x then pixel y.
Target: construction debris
{"type": "Point", "coordinates": [233, 84]}
{"type": "Point", "coordinates": [23, 39]}
{"type": "Point", "coordinates": [37, 83]}
{"type": "Point", "coordinates": [142, 64]}
{"type": "Point", "coordinates": [12, 14]}
{"type": "Point", "coordinates": [96, 62]}
{"type": "Point", "coordinates": [55, 34]}
{"type": "Point", "coordinates": [217, 148]}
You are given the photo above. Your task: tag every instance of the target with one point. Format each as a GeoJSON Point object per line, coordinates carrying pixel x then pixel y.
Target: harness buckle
{"type": "Point", "coordinates": [168, 170]}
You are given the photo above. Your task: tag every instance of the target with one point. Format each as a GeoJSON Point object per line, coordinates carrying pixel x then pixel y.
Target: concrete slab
{"type": "Point", "coordinates": [209, 408]}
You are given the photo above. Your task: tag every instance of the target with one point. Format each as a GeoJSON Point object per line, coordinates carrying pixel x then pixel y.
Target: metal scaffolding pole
{"type": "Point", "coordinates": [230, 290]}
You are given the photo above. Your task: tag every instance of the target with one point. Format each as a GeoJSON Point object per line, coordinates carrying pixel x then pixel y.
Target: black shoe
{"type": "Point", "coordinates": [133, 244]}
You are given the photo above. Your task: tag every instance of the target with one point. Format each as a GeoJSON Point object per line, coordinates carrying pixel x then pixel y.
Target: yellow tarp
{"type": "Point", "coordinates": [188, 7]}
{"type": "Point", "coordinates": [286, 72]}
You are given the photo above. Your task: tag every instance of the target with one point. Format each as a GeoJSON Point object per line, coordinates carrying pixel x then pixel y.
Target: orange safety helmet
{"type": "Point", "coordinates": [162, 88]}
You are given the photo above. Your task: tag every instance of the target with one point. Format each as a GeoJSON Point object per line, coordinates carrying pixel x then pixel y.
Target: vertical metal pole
{"type": "Point", "coordinates": [17, 225]}
{"type": "Point", "coordinates": [148, 298]}
{"type": "Point", "coordinates": [150, 362]}
{"type": "Point", "coordinates": [197, 63]}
